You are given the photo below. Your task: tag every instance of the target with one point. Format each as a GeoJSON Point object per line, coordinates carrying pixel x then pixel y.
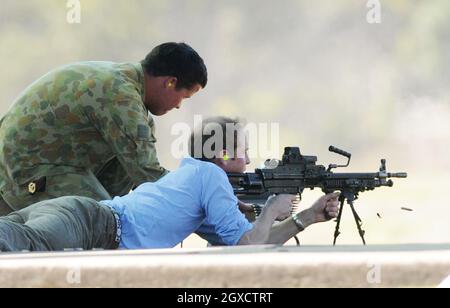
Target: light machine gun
{"type": "Point", "coordinates": [295, 172]}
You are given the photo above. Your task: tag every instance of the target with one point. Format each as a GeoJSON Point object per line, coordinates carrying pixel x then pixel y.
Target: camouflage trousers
{"type": "Point", "coordinates": [109, 182]}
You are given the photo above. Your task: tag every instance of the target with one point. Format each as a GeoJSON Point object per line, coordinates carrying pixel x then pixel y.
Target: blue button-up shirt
{"type": "Point", "coordinates": [164, 213]}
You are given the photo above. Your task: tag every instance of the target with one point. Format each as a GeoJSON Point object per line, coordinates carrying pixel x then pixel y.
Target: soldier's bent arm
{"type": "Point", "coordinates": [124, 123]}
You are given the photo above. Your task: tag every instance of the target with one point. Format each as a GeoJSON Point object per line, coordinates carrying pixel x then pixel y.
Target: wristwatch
{"type": "Point", "coordinates": [298, 222]}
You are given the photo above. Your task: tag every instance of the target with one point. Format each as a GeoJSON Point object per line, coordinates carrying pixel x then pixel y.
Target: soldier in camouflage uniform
{"type": "Point", "coordinates": [85, 129]}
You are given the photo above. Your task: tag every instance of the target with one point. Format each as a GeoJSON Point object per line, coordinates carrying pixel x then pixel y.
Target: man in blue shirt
{"type": "Point", "coordinates": [162, 214]}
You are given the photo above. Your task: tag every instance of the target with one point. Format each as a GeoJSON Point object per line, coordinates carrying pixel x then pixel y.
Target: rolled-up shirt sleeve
{"type": "Point", "coordinates": [221, 207]}
{"type": "Point", "coordinates": [126, 126]}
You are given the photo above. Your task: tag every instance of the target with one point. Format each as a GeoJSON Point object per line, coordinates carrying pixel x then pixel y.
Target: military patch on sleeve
{"type": "Point", "coordinates": [143, 132]}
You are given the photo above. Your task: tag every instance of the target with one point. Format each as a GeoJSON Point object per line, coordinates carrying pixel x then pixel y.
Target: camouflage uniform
{"type": "Point", "coordinates": [82, 129]}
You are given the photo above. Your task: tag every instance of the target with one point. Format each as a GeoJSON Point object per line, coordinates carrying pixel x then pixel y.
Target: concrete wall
{"type": "Point", "coordinates": [260, 266]}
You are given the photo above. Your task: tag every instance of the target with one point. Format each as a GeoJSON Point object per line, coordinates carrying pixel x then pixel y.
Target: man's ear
{"type": "Point", "coordinates": [222, 158]}
{"type": "Point", "coordinates": [171, 83]}
{"type": "Point", "coordinates": [225, 156]}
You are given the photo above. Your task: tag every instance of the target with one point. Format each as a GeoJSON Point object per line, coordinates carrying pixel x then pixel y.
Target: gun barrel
{"type": "Point", "coordinates": [398, 175]}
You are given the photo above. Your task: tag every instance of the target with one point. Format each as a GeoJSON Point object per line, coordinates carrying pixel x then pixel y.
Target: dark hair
{"type": "Point", "coordinates": [201, 135]}
{"type": "Point", "coordinates": [178, 60]}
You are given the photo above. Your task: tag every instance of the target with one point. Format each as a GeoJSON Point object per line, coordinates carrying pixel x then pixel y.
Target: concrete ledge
{"type": "Point", "coordinates": [257, 266]}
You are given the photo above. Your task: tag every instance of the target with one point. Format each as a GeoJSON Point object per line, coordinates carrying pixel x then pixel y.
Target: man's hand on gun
{"type": "Point", "coordinates": [324, 209]}
{"type": "Point", "coordinates": [281, 206]}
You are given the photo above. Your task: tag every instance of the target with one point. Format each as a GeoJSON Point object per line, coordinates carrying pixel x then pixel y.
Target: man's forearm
{"type": "Point", "coordinates": [285, 230]}
{"type": "Point", "coordinates": [261, 229]}
{"type": "Point", "coordinates": [264, 232]}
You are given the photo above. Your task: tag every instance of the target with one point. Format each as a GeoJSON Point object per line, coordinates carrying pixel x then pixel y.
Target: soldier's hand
{"type": "Point", "coordinates": [245, 207]}
{"type": "Point", "coordinates": [281, 205]}
{"type": "Point", "coordinates": [247, 210]}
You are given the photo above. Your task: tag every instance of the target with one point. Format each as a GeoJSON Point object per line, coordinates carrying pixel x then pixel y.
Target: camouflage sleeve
{"type": "Point", "coordinates": [126, 126]}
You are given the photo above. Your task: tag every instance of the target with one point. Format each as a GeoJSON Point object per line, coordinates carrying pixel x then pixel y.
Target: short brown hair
{"type": "Point", "coordinates": [201, 135]}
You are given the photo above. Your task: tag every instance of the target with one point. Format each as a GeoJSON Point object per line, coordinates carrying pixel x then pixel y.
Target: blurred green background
{"type": "Point", "coordinates": [316, 67]}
